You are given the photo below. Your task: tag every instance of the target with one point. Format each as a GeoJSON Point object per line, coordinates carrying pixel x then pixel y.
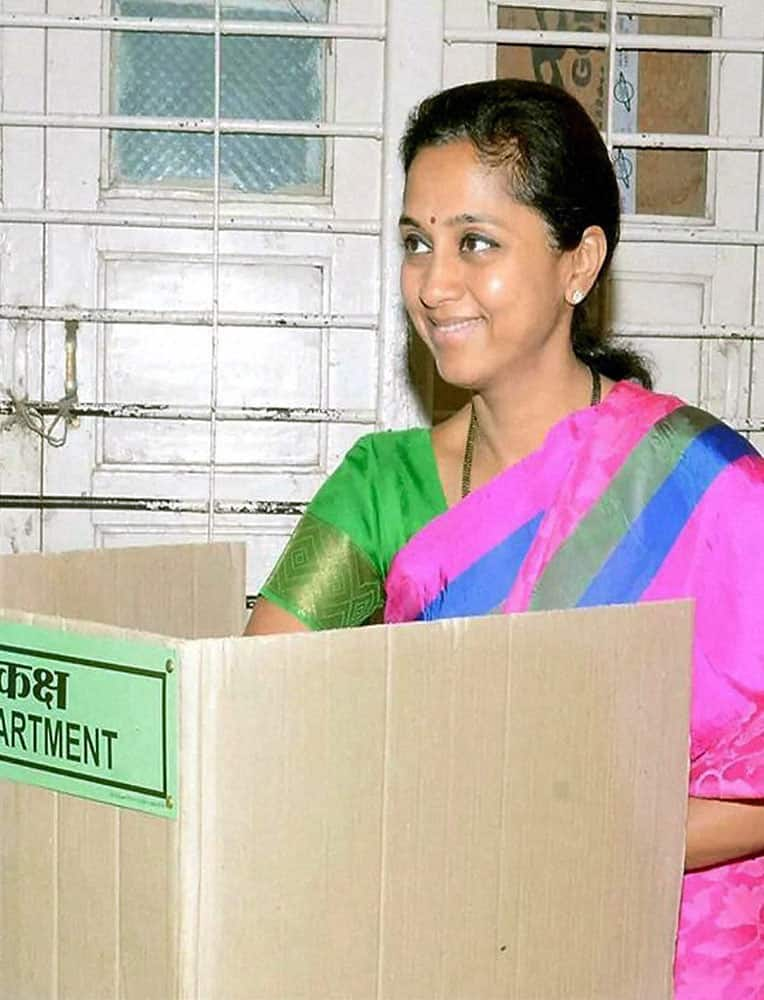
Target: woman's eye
{"type": "Point", "coordinates": [413, 244]}
{"type": "Point", "coordinates": [475, 243]}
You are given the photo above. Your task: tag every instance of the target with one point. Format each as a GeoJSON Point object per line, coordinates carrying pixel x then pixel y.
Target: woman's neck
{"type": "Point", "coordinates": [514, 418]}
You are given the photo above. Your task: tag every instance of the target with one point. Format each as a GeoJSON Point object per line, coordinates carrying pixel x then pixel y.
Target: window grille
{"type": "Point", "coordinates": [266, 77]}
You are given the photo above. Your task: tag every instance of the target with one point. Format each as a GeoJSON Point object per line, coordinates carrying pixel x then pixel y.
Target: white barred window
{"type": "Point", "coordinates": [172, 75]}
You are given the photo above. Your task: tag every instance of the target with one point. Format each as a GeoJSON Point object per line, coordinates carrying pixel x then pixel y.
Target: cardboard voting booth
{"type": "Point", "coordinates": [464, 810]}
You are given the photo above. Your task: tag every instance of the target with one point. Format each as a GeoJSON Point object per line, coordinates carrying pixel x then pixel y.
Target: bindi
{"type": "Point", "coordinates": [433, 220]}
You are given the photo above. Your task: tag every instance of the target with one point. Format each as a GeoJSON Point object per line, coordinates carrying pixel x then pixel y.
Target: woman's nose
{"type": "Point", "coordinates": [441, 281]}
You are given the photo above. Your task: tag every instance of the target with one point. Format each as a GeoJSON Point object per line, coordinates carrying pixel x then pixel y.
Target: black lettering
{"type": "Point", "coordinates": [109, 735]}
{"type": "Point", "coordinates": [582, 71]}
{"type": "Point", "coordinates": [546, 64]}
{"type": "Point", "coordinates": [13, 682]}
{"type": "Point", "coordinates": [73, 741]}
{"type": "Point", "coordinates": [545, 25]}
{"type": "Point", "coordinates": [91, 745]}
{"type": "Point", "coordinates": [18, 725]}
{"type": "Point", "coordinates": [547, 60]}
{"type": "Point", "coordinates": [45, 683]}
{"type": "Point", "coordinates": [54, 737]}
{"type": "Point", "coordinates": [3, 730]}
{"type": "Point", "coordinates": [35, 721]}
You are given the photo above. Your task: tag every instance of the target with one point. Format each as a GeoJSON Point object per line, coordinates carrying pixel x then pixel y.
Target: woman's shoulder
{"type": "Point", "coordinates": [383, 456]}
{"type": "Point", "coordinates": [386, 444]}
{"type": "Point", "coordinates": [626, 396]}
{"type": "Point", "coordinates": [386, 465]}
{"type": "Point", "coordinates": [697, 433]}
{"type": "Point", "coordinates": [383, 491]}
{"type": "Point", "coordinates": [629, 396]}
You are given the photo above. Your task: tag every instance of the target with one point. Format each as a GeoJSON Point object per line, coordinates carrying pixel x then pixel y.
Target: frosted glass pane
{"type": "Point", "coordinates": [172, 75]}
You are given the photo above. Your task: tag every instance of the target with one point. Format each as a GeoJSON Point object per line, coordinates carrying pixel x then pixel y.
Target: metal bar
{"type": "Point", "coordinates": [166, 411]}
{"type": "Point", "coordinates": [601, 40]}
{"type": "Point", "coordinates": [233, 126]}
{"type": "Point", "coordinates": [214, 340]}
{"type": "Point", "coordinates": [672, 140]}
{"type": "Point", "coordinates": [528, 36]}
{"type": "Point", "coordinates": [256, 127]}
{"type": "Point", "coordinates": [680, 7]}
{"type": "Point", "coordinates": [196, 26]}
{"type": "Point", "coordinates": [690, 43]}
{"type": "Point", "coordinates": [721, 331]}
{"type": "Point", "coordinates": [636, 233]}
{"type": "Point", "coordinates": [43, 450]}
{"type": "Point", "coordinates": [611, 67]}
{"type": "Point", "coordinates": [755, 302]}
{"type": "Point", "coordinates": [172, 505]}
{"type": "Point", "coordinates": [633, 232]}
{"type": "Point", "coordinates": [180, 318]}
{"type": "Point", "coordinates": [350, 227]}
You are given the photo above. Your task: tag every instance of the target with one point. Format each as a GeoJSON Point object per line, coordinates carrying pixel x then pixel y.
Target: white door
{"type": "Point", "coordinates": [232, 304]}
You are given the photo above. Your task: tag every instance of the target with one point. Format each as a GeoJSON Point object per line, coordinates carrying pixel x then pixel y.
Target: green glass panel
{"type": "Point", "coordinates": [172, 75]}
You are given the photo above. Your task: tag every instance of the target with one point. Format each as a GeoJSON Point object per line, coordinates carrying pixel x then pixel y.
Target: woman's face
{"type": "Point", "coordinates": [481, 281]}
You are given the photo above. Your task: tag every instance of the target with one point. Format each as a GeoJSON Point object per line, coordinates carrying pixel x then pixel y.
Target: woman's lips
{"type": "Point", "coordinates": [450, 330]}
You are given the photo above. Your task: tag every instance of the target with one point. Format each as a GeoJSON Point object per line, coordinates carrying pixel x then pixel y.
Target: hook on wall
{"type": "Point", "coordinates": [30, 415]}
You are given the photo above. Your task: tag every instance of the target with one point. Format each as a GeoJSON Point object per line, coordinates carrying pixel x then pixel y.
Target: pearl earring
{"type": "Point", "coordinates": [577, 297]}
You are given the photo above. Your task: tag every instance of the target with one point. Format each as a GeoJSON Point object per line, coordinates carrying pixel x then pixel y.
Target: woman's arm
{"type": "Point", "coordinates": [268, 618]}
{"type": "Point", "coordinates": [719, 831]}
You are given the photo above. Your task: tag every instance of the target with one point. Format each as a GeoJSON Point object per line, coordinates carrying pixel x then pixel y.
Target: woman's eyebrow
{"type": "Point", "coordinates": [464, 218]}
{"type": "Point", "coordinates": [467, 218]}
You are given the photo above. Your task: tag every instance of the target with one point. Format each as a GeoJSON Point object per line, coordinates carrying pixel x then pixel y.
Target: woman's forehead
{"type": "Point", "coordinates": [453, 174]}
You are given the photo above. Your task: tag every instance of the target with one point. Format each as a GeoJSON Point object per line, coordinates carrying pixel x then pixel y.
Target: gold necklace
{"type": "Point", "coordinates": [472, 432]}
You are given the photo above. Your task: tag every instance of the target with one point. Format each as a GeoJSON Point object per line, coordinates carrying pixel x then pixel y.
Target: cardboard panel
{"type": "Point", "coordinates": [87, 889]}
{"type": "Point", "coordinates": [147, 906]}
{"type": "Point", "coordinates": [418, 811]}
{"type": "Point", "coordinates": [89, 894]}
{"type": "Point", "coordinates": [181, 590]}
{"type": "Point", "coordinates": [292, 771]}
{"type": "Point", "coordinates": [28, 892]}
{"type": "Point", "coordinates": [527, 779]}
{"type": "Point", "coordinates": [595, 793]}
{"type": "Point", "coordinates": [444, 809]}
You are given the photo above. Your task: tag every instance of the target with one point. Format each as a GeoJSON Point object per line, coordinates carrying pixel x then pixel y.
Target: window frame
{"type": "Point", "coordinates": [656, 8]}
{"type": "Point", "coordinates": [178, 197]}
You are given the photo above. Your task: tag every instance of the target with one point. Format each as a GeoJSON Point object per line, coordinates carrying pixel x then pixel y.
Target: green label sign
{"type": "Point", "coordinates": [89, 716]}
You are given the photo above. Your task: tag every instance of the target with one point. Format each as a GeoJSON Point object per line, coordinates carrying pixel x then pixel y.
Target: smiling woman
{"type": "Point", "coordinates": [483, 282]}
{"type": "Point", "coordinates": [564, 482]}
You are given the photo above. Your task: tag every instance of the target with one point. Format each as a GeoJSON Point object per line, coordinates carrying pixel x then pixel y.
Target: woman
{"type": "Point", "coordinates": [564, 483]}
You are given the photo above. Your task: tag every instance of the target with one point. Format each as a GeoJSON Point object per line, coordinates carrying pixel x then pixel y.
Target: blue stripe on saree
{"type": "Point", "coordinates": [630, 568]}
{"type": "Point", "coordinates": [483, 586]}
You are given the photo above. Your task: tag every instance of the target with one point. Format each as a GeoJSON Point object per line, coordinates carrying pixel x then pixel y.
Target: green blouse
{"type": "Point", "coordinates": [333, 569]}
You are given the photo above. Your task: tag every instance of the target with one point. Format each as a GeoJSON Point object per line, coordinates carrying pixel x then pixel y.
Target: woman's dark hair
{"type": "Point", "coordinates": [556, 164]}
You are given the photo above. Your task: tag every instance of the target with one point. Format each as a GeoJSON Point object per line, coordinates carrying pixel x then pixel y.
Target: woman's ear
{"type": "Point", "coordinates": [585, 264]}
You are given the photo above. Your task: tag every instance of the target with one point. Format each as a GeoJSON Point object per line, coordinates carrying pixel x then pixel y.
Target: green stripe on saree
{"type": "Point", "coordinates": [579, 559]}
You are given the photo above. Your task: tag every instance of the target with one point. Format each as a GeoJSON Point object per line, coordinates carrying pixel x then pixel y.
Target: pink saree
{"type": "Point", "coordinates": [638, 498]}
